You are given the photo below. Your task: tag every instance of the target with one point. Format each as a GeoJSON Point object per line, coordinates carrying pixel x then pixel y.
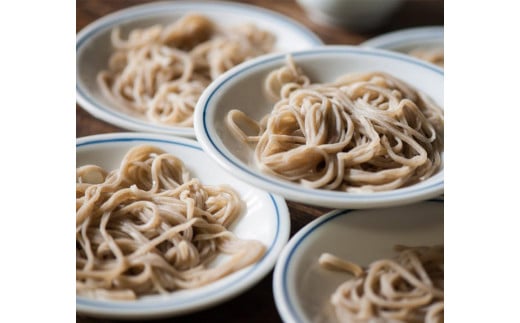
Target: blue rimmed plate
{"type": "Point", "coordinates": [302, 289]}
{"type": "Point", "coordinates": [241, 88]}
{"type": "Point", "coordinates": [405, 40]}
{"type": "Point", "coordinates": [265, 218]}
{"type": "Point", "coordinates": [93, 49]}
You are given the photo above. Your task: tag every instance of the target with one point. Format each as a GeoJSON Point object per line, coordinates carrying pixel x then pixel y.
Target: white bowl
{"type": "Point", "coordinates": [93, 48]}
{"type": "Point", "coordinates": [265, 218]}
{"type": "Point", "coordinates": [405, 40]}
{"type": "Point", "coordinates": [302, 289]}
{"type": "Point", "coordinates": [241, 88]}
{"type": "Point", "coordinates": [361, 15]}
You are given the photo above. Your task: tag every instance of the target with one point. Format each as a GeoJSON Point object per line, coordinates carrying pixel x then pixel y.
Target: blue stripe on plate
{"type": "Point", "coordinates": [141, 11]}
{"type": "Point", "coordinates": [397, 42]}
{"type": "Point", "coordinates": [121, 115]}
{"type": "Point", "coordinates": [397, 38]}
{"type": "Point", "coordinates": [293, 187]}
{"type": "Point", "coordinates": [102, 141]}
{"type": "Point", "coordinates": [286, 263]}
{"type": "Point", "coordinates": [158, 303]}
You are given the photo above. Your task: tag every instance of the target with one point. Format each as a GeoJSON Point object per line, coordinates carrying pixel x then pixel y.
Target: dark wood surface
{"type": "Point", "coordinates": [256, 304]}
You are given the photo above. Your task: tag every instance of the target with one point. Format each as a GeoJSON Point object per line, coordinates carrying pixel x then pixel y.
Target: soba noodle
{"type": "Point", "coordinates": [363, 132]}
{"type": "Point", "coordinates": [434, 55]}
{"type": "Point", "coordinates": [160, 72]}
{"type": "Point", "coordinates": [149, 228]}
{"type": "Point", "coordinates": [409, 288]}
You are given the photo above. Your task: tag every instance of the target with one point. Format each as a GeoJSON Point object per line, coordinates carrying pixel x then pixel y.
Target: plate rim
{"type": "Point", "coordinates": [292, 191]}
{"type": "Point", "coordinates": [126, 121]}
{"type": "Point", "coordinates": [396, 38]}
{"type": "Point", "coordinates": [286, 308]}
{"type": "Point", "coordinates": [246, 280]}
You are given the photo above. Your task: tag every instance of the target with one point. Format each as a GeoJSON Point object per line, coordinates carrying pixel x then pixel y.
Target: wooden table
{"type": "Point", "coordinates": [256, 304]}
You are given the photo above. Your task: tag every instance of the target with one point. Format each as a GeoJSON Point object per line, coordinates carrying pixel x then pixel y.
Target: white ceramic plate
{"type": "Point", "coordinates": [93, 48]}
{"type": "Point", "coordinates": [241, 88]}
{"type": "Point", "coordinates": [408, 39]}
{"type": "Point", "coordinates": [302, 288]}
{"type": "Point", "coordinates": [265, 218]}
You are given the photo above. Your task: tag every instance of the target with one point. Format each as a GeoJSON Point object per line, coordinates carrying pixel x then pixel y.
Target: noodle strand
{"type": "Point", "coordinates": [149, 228]}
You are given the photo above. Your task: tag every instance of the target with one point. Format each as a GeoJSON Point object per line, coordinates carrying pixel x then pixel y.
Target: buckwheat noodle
{"type": "Point", "coordinates": [409, 288]}
{"type": "Point", "coordinates": [434, 55]}
{"type": "Point", "coordinates": [159, 72]}
{"type": "Point", "coordinates": [149, 227]}
{"type": "Point", "coordinates": [364, 132]}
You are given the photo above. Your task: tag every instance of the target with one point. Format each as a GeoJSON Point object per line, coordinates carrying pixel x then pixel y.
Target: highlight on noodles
{"type": "Point", "coordinates": [148, 227]}
{"type": "Point", "coordinates": [364, 132]}
{"type": "Point", "coordinates": [434, 55]}
{"type": "Point", "coordinates": [409, 288]}
{"type": "Point", "coordinates": [159, 72]}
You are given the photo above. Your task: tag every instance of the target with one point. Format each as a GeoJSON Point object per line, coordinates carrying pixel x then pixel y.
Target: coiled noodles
{"type": "Point", "coordinates": [159, 72]}
{"type": "Point", "coordinates": [361, 133]}
{"type": "Point", "coordinates": [434, 55]}
{"type": "Point", "coordinates": [149, 227]}
{"type": "Point", "coordinates": [407, 289]}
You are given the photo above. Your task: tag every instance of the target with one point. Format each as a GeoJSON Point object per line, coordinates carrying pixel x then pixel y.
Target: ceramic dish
{"type": "Point", "coordinates": [266, 219]}
{"type": "Point", "coordinates": [406, 40]}
{"type": "Point", "coordinates": [351, 14]}
{"type": "Point", "coordinates": [242, 86]}
{"type": "Point", "coordinates": [93, 49]}
{"type": "Point", "coordinates": [302, 288]}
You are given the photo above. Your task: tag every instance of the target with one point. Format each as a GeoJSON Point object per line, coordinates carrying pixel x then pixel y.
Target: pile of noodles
{"type": "Point", "coordinates": [361, 133]}
{"type": "Point", "coordinates": [149, 228]}
{"type": "Point", "coordinates": [409, 288]}
{"type": "Point", "coordinates": [159, 72]}
{"type": "Point", "coordinates": [434, 55]}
